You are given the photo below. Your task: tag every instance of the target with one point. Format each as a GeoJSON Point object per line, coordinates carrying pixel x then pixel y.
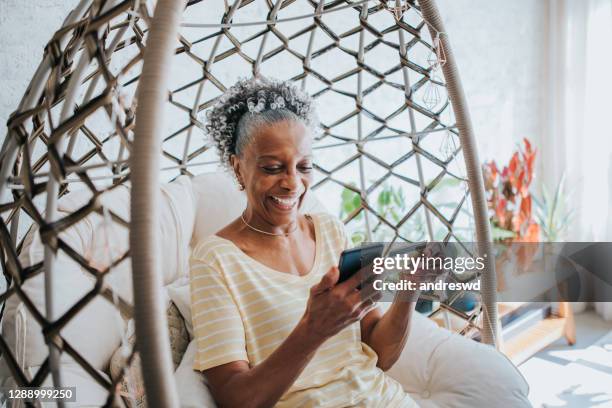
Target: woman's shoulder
{"type": "Point", "coordinates": [326, 220]}
{"type": "Point", "coordinates": [209, 249]}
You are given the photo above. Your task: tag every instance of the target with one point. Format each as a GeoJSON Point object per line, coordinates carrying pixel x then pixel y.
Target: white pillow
{"type": "Point", "coordinates": [218, 201]}
{"type": "Point", "coordinates": [443, 369]}
{"type": "Point", "coordinates": [191, 385]}
{"type": "Point", "coordinates": [177, 226]}
{"type": "Point", "coordinates": [96, 330]}
{"type": "Point", "coordinates": [177, 215]}
{"type": "Point", "coordinates": [465, 373]}
{"type": "Point", "coordinates": [84, 332]}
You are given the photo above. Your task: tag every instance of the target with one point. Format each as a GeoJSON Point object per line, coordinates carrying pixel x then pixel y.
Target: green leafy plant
{"type": "Point", "coordinates": [351, 202]}
{"type": "Point", "coordinates": [553, 212]}
{"type": "Point", "coordinates": [390, 204]}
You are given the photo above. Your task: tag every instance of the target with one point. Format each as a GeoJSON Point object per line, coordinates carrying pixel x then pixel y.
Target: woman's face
{"type": "Point", "coordinates": [276, 171]}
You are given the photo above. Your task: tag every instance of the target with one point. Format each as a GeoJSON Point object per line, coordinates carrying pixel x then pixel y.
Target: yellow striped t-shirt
{"type": "Point", "coordinates": [243, 310]}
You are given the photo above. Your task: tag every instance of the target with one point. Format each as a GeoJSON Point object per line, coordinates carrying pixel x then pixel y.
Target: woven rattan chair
{"type": "Point", "coordinates": [389, 97]}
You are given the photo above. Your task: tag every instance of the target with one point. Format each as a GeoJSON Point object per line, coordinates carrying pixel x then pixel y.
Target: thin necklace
{"type": "Point", "coordinates": [266, 232]}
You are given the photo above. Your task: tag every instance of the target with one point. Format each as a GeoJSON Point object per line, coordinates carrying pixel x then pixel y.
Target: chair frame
{"type": "Point", "coordinates": [151, 327]}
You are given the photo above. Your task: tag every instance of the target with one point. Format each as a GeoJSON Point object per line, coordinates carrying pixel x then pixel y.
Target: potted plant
{"type": "Point", "coordinates": [553, 212]}
{"type": "Point", "coordinates": [509, 198]}
{"type": "Point", "coordinates": [511, 212]}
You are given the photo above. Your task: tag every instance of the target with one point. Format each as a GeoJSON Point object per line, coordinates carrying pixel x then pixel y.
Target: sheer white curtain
{"type": "Point", "coordinates": [579, 138]}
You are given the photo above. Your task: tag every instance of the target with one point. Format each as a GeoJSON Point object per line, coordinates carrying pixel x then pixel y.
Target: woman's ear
{"type": "Point", "coordinates": [235, 163]}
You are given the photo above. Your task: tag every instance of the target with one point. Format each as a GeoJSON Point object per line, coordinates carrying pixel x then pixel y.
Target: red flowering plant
{"type": "Point", "coordinates": [510, 202]}
{"type": "Point", "coordinates": [509, 199]}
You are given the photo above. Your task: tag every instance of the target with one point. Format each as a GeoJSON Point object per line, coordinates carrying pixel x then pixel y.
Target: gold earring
{"type": "Point", "coordinates": [240, 185]}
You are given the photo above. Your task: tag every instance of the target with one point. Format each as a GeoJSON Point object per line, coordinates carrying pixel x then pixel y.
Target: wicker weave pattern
{"type": "Point", "coordinates": [367, 64]}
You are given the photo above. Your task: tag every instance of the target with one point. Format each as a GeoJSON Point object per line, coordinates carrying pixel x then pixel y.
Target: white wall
{"type": "Point", "coordinates": [500, 48]}
{"type": "Point", "coordinates": [499, 44]}
{"type": "Point", "coordinates": [25, 29]}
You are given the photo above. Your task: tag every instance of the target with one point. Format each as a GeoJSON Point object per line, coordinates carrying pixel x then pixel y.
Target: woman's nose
{"type": "Point", "coordinates": [290, 180]}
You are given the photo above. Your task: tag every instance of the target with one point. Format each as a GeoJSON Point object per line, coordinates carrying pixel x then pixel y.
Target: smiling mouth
{"type": "Point", "coordinates": [285, 203]}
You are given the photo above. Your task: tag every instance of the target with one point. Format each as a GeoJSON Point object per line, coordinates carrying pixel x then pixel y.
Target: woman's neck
{"type": "Point", "coordinates": [258, 224]}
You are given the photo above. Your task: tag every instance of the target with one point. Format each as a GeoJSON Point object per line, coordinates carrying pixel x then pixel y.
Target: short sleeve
{"type": "Point", "coordinates": [341, 231]}
{"type": "Point", "coordinates": [335, 232]}
{"type": "Point", "coordinates": [217, 326]}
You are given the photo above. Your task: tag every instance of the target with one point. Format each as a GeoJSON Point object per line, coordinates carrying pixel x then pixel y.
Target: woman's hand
{"type": "Point", "coordinates": [333, 307]}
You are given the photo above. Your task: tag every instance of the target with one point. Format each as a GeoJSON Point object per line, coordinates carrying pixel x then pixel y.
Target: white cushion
{"type": "Point", "coordinates": [177, 214]}
{"type": "Point", "coordinates": [190, 384]}
{"type": "Point", "coordinates": [93, 332]}
{"type": "Point", "coordinates": [88, 392]}
{"type": "Point", "coordinates": [218, 201]}
{"type": "Point", "coordinates": [443, 369]}
{"type": "Point", "coordinates": [481, 376]}
{"type": "Point", "coordinates": [177, 227]}
{"type": "Point", "coordinates": [96, 330]}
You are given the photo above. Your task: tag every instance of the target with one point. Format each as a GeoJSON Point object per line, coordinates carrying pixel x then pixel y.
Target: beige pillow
{"type": "Point", "coordinates": [131, 387]}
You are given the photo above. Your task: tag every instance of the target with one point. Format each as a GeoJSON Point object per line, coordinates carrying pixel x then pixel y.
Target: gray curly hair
{"type": "Point", "coordinates": [251, 103]}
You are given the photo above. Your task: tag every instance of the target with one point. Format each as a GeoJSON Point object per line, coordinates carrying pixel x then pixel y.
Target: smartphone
{"type": "Point", "coordinates": [352, 260]}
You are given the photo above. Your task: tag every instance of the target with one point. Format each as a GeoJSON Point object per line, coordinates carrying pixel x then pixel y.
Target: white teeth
{"type": "Point", "coordinates": [286, 202]}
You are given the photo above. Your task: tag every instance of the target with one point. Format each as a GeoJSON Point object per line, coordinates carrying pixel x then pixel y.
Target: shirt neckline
{"type": "Point", "coordinates": [285, 275]}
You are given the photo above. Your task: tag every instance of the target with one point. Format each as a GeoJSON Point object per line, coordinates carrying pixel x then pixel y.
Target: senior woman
{"type": "Point", "coordinates": [272, 324]}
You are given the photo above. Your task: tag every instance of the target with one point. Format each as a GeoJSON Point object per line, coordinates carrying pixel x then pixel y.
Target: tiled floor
{"type": "Point", "coordinates": [576, 376]}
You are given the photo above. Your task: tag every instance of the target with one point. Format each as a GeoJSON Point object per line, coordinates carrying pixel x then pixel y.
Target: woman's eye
{"type": "Point", "coordinates": [276, 169]}
{"type": "Point", "coordinates": [271, 169]}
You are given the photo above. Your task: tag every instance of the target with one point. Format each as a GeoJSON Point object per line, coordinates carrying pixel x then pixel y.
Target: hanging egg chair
{"type": "Point", "coordinates": [116, 108]}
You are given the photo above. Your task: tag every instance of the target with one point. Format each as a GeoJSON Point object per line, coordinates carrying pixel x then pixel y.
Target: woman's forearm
{"type": "Point", "coordinates": [264, 384]}
{"type": "Point", "coordinates": [388, 336]}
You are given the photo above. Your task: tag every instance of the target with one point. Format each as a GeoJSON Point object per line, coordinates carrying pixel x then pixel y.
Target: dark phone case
{"type": "Point", "coordinates": [351, 260]}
